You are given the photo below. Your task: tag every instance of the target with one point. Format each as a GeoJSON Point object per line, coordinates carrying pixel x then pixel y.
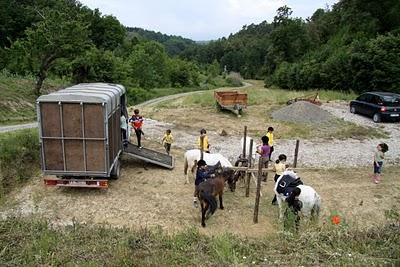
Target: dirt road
{"type": "Point", "coordinates": [11, 128]}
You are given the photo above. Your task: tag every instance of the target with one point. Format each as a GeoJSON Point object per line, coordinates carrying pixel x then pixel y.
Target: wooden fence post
{"type": "Point", "coordinates": [249, 166]}
{"type": "Point", "coordinates": [201, 146]}
{"type": "Point", "coordinates": [296, 153]}
{"type": "Point", "coordinates": [244, 143]}
{"type": "Point", "coordinates": [257, 203]}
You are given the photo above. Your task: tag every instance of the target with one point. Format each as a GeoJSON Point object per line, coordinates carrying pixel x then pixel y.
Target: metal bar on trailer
{"type": "Point", "coordinates": [75, 138]}
{"type": "Point", "coordinates": [83, 136]}
{"type": "Point", "coordinates": [106, 140]}
{"type": "Point", "coordinates": [76, 183]}
{"type": "Point", "coordinates": [62, 135]}
{"type": "Point", "coordinates": [39, 118]}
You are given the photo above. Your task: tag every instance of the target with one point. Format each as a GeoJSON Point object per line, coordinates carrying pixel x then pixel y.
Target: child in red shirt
{"type": "Point", "coordinates": [137, 122]}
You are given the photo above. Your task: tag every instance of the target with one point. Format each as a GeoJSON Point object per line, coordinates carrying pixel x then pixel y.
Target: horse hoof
{"type": "Point", "coordinates": [203, 224]}
{"type": "Point", "coordinates": [221, 208]}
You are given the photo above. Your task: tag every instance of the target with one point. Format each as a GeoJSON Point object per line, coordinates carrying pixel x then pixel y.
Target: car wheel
{"type": "Point", "coordinates": [353, 109]}
{"type": "Point", "coordinates": [376, 117]}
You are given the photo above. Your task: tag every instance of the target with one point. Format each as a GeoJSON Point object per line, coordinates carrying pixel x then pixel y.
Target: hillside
{"type": "Point", "coordinates": [174, 45]}
{"type": "Point", "coordinates": [17, 100]}
{"type": "Point", "coordinates": [354, 45]}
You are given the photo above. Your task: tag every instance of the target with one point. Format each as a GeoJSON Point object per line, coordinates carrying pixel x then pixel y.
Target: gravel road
{"type": "Point", "coordinates": [313, 153]}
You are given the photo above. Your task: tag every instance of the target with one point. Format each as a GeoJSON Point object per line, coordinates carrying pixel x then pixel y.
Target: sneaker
{"type": "Point", "coordinates": [140, 147]}
{"type": "Point", "coordinates": [195, 204]}
{"type": "Point", "coordinates": [376, 181]}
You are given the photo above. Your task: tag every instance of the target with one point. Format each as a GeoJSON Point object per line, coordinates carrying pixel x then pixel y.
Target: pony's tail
{"type": "Point", "coordinates": [210, 199]}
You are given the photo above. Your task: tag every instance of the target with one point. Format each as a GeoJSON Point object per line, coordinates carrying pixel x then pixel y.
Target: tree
{"type": "Point", "coordinates": [106, 32]}
{"type": "Point", "coordinates": [148, 65]}
{"type": "Point", "coordinates": [98, 65]}
{"type": "Point", "coordinates": [61, 34]}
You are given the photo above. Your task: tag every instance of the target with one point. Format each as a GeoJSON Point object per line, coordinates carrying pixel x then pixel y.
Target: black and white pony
{"type": "Point", "coordinates": [308, 202]}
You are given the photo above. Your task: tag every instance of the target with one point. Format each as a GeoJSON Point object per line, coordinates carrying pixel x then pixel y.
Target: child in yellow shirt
{"type": "Point", "coordinates": [206, 145]}
{"type": "Point", "coordinates": [167, 140]}
{"type": "Point", "coordinates": [279, 167]}
{"type": "Point", "coordinates": [270, 135]}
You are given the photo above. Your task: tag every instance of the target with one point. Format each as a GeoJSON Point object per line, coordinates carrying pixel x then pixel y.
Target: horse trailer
{"type": "Point", "coordinates": [80, 134]}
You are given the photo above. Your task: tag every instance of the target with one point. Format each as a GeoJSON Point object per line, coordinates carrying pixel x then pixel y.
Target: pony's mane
{"type": "Point", "coordinates": [291, 173]}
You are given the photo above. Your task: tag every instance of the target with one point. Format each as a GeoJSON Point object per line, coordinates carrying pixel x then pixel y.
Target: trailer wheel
{"type": "Point", "coordinates": [115, 172]}
{"type": "Point", "coordinates": [219, 107]}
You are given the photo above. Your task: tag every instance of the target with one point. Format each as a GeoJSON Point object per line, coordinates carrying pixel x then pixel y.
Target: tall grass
{"type": "Point", "coordinates": [19, 158]}
{"type": "Point", "coordinates": [32, 242]}
{"type": "Point", "coordinates": [17, 99]}
{"type": "Point", "coordinates": [259, 95]}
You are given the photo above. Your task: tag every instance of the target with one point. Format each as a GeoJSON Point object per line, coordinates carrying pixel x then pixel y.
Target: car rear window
{"type": "Point", "coordinates": [391, 101]}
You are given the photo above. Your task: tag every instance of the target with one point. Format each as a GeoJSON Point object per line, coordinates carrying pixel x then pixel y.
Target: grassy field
{"type": "Point", "coordinates": [17, 100]}
{"type": "Point", "coordinates": [19, 158]}
{"type": "Point", "coordinates": [33, 242]}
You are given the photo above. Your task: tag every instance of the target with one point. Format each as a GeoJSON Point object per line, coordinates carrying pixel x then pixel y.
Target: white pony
{"type": "Point", "coordinates": [311, 201]}
{"type": "Point", "coordinates": [248, 139]}
{"type": "Point", "coordinates": [193, 156]}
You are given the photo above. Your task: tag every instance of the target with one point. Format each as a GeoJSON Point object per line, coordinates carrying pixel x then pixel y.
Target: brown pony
{"type": "Point", "coordinates": [211, 188]}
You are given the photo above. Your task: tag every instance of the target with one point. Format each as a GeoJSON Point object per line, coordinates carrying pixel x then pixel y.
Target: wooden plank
{"type": "Point", "coordinates": [258, 191]}
{"type": "Point", "coordinates": [95, 153]}
{"type": "Point", "coordinates": [247, 169]}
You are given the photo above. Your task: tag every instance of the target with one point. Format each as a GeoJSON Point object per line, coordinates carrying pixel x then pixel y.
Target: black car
{"type": "Point", "coordinates": [378, 105]}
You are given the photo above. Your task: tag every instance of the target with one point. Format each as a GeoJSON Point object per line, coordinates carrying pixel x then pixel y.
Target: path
{"type": "Point", "coordinates": [11, 128]}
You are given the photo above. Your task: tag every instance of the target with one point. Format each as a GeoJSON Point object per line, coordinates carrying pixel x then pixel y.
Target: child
{"type": "Point", "coordinates": [264, 150]}
{"type": "Point", "coordinates": [201, 175]}
{"type": "Point", "coordinates": [270, 135]}
{"type": "Point", "coordinates": [279, 167]}
{"type": "Point", "coordinates": [379, 156]}
{"type": "Point", "coordinates": [137, 122]}
{"type": "Point", "coordinates": [167, 140]}
{"type": "Point", "coordinates": [206, 145]}
{"type": "Point", "coordinates": [124, 127]}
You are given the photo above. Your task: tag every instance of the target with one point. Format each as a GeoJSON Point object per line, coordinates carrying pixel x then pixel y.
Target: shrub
{"type": "Point", "coordinates": [19, 158]}
{"type": "Point", "coordinates": [234, 79]}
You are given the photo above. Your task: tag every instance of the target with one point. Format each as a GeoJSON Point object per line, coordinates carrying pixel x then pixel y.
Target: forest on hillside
{"type": "Point", "coordinates": [354, 45]}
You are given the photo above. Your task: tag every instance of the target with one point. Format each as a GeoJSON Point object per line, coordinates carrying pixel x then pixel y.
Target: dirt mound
{"type": "Point", "coordinates": [303, 112]}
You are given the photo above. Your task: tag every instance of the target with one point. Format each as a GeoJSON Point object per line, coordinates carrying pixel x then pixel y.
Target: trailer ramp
{"type": "Point", "coordinates": [151, 156]}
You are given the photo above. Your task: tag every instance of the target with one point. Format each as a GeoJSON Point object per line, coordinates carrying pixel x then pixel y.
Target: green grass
{"type": "Point", "coordinates": [19, 158]}
{"type": "Point", "coordinates": [259, 95]}
{"type": "Point", "coordinates": [17, 100]}
{"type": "Point", "coordinates": [139, 95]}
{"type": "Point", "coordinates": [32, 242]}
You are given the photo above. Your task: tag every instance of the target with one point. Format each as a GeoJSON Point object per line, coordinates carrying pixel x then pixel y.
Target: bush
{"type": "Point", "coordinates": [234, 79]}
{"type": "Point", "coordinates": [19, 158]}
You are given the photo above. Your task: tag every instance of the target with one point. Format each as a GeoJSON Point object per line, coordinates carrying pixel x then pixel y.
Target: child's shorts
{"type": "Point", "coordinates": [376, 168]}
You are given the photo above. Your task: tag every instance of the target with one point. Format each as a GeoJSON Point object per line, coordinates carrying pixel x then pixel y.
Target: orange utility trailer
{"type": "Point", "coordinates": [231, 100]}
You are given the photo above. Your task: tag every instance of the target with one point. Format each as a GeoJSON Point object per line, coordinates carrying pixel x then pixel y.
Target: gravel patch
{"type": "Point", "coordinates": [303, 112]}
{"type": "Point", "coordinates": [318, 153]}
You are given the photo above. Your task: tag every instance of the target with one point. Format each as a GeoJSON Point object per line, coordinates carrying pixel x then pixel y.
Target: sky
{"type": "Point", "coordinates": [200, 20]}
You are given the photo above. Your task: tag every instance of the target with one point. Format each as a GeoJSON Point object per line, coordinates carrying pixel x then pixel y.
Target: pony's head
{"type": "Point", "coordinates": [227, 174]}
{"type": "Point", "coordinates": [230, 176]}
